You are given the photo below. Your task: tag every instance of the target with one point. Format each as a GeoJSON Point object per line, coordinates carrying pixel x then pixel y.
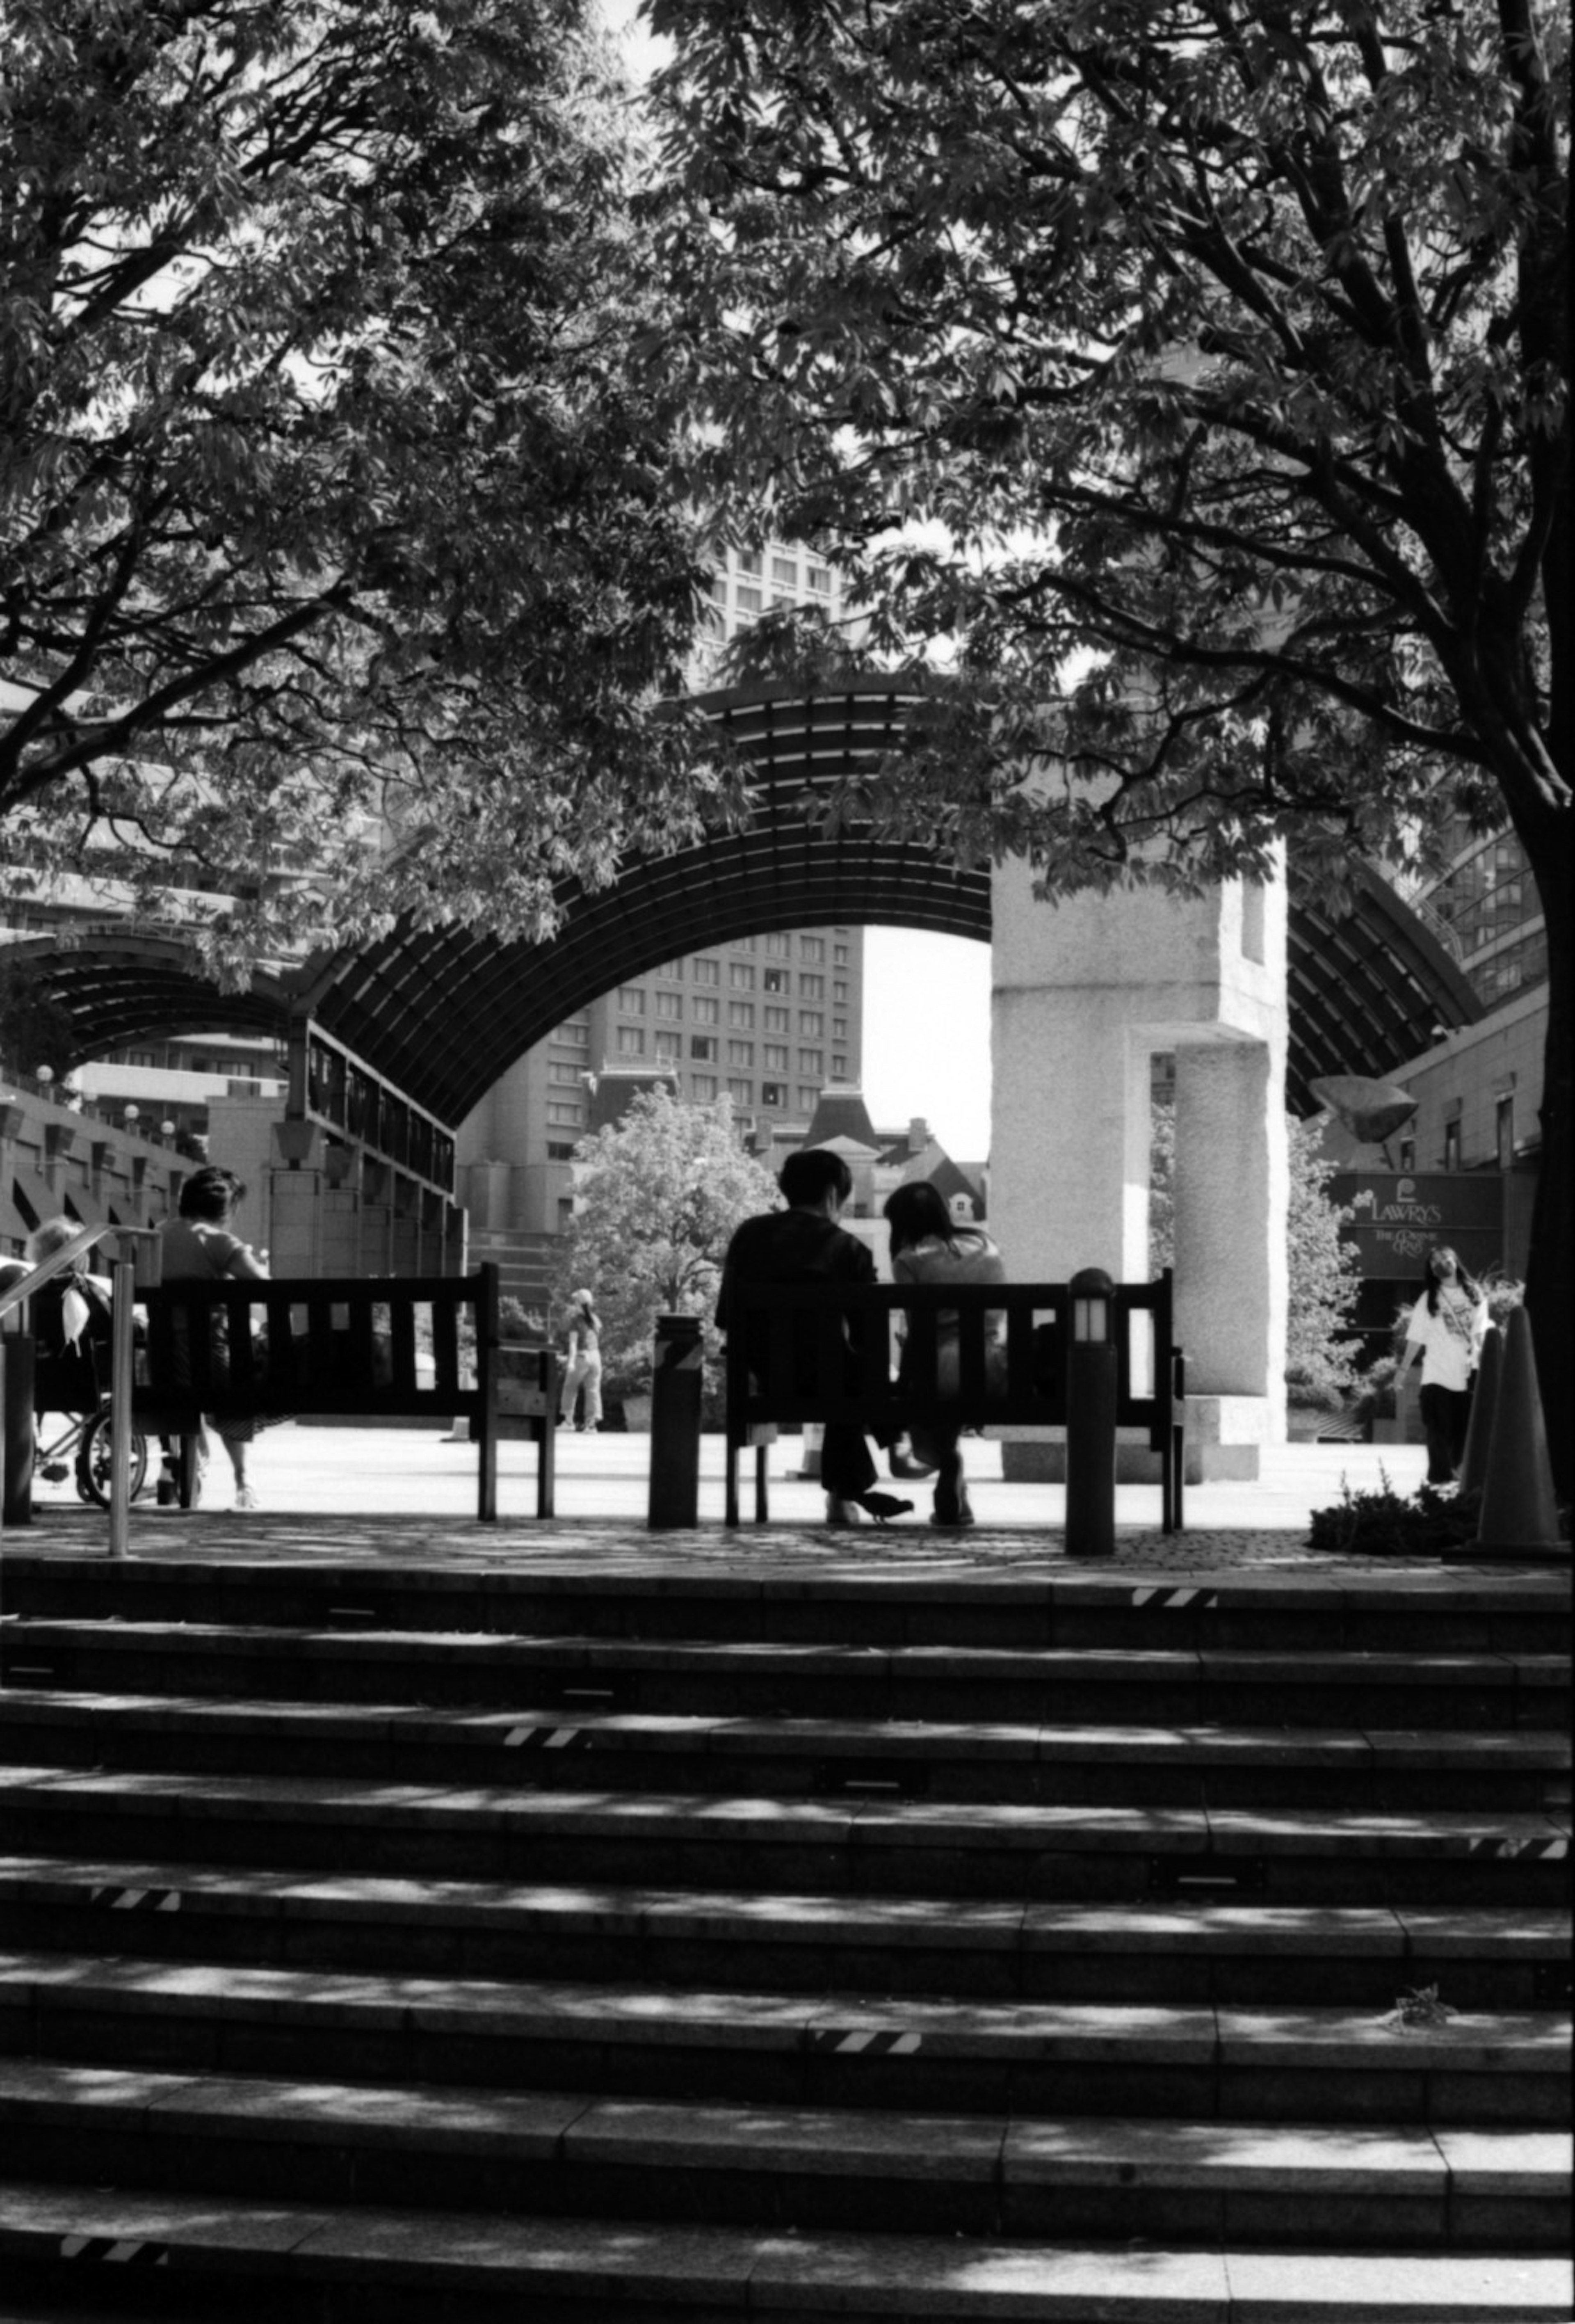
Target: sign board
{"type": "Point", "coordinates": [1401, 1216]}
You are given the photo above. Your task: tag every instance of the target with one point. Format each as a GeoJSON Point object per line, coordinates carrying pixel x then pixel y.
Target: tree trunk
{"type": "Point", "coordinates": [1549, 1285]}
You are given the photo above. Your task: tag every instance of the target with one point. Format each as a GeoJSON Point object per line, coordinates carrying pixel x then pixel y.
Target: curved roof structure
{"type": "Point", "coordinates": [443, 1012]}
{"type": "Point", "coordinates": [121, 988]}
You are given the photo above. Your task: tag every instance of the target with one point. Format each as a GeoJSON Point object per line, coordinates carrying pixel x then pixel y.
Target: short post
{"type": "Point", "coordinates": [17, 1350]}
{"type": "Point", "coordinates": [1090, 1418]}
{"type": "Point", "coordinates": [121, 1380]}
{"type": "Point", "coordinates": [675, 1423]}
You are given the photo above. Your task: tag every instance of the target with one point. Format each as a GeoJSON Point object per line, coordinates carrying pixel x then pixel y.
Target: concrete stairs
{"type": "Point", "coordinates": [443, 1942]}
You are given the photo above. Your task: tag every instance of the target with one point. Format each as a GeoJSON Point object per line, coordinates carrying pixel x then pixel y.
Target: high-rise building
{"type": "Point", "coordinates": [768, 1021]}
{"type": "Point", "coordinates": [1487, 904]}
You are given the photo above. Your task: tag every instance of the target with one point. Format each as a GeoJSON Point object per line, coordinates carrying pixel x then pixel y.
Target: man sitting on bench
{"type": "Point", "coordinates": [804, 1244]}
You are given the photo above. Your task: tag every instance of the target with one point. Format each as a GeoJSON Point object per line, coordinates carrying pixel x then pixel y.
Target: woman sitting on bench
{"type": "Point", "coordinates": [929, 1246]}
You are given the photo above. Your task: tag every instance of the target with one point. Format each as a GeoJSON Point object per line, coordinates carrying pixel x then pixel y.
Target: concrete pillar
{"type": "Point", "coordinates": [1230, 1194]}
{"type": "Point", "coordinates": [1085, 991]}
{"type": "Point", "coordinates": [294, 1221]}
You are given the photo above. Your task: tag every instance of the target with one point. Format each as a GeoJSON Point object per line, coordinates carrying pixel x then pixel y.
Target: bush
{"type": "Point", "coordinates": [1386, 1524]}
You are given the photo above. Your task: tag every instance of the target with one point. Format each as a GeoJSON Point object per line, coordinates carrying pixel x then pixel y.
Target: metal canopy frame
{"type": "Point", "coordinates": [441, 1013]}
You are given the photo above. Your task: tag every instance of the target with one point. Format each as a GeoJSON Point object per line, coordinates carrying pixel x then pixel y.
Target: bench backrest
{"type": "Point", "coordinates": [325, 1345]}
{"type": "Point", "coordinates": [822, 1352]}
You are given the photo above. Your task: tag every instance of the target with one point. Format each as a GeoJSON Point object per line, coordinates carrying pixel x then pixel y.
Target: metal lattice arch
{"type": "Point", "coordinates": [442, 1013]}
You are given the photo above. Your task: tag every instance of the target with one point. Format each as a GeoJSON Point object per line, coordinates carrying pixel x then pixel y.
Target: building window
{"type": "Point", "coordinates": [839, 1029]}
{"type": "Point", "coordinates": [810, 1061]}
{"type": "Point", "coordinates": [839, 1068]}
{"type": "Point", "coordinates": [748, 599]}
{"type": "Point", "coordinates": [708, 972]}
{"type": "Point", "coordinates": [1451, 1153]}
{"type": "Point", "coordinates": [565, 1113]}
{"type": "Point", "coordinates": [742, 1013]}
{"type": "Point", "coordinates": [741, 976]}
{"type": "Point", "coordinates": [812, 988]}
{"type": "Point", "coordinates": [702, 1088]}
{"type": "Point", "coordinates": [1504, 1132]}
{"type": "Point", "coordinates": [630, 1000]}
{"type": "Point", "coordinates": [741, 1053]}
{"type": "Point", "coordinates": [669, 1004]}
{"type": "Point", "coordinates": [631, 1041]}
{"type": "Point", "coordinates": [774, 1094]}
{"type": "Point", "coordinates": [1408, 1154]}
{"type": "Point", "coordinates": [702, 1045]}
{"type": "Point", "coordinates": [839, 988]}
{"type": "Point", "coordinates": [808, 1099]}
{"type": "Point", "coordinates": [840, 955]}
{"type": "Point", "coordinates": [556, 1151]}
{"type": "Point", "coordinates": [780, 946]}
{"type": "Point", "coordinates": [775, 980]}
{"type": "Point", "coordinates": [813, 1023]}
{"type": "Point", "coordinates": [819, 579]}
{"type": "Point", "coordinates": [776, 1057]}
{"type": "Point", "coordinates": [743, 1093]}
{"type": "Point", "coordinates": [707, 1012]}
{"type": "Point", "coordinates": [673, 970]}
{"type": "Point", "coordinates": [562, 1069]}
{"type": "Point", "coordinates": [778, 1020]}
{"type": "Point", "coordinates": [749, 560]}
{"type": "Point", "coordinates": [670, 1045]}
{"type": "Point", "coordinates": [812, 948]}
{"type": "Point", "coordinates": [573, 1037]}
{"type": "Point", "coordinates": [785, 569]}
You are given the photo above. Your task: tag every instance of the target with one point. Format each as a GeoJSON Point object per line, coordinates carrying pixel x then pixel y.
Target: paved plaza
{"type": "Point", "coordinates": [415, 1488]}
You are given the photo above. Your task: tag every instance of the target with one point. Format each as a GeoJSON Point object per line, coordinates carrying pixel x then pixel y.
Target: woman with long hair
{"type": "Point", "coordinates": [583, 1371]}
{"type": "Point", "coordinates": [198, 1245]}
{"type": "Point", "coordinates": [1445, 1329]}
{"type": "Point", "coordinates": [928, 1245]}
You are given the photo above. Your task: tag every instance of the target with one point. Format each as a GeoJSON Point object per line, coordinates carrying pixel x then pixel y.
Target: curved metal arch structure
{"type": "Point", "coordinates": [442, 1012]}
{"type": "Point", "coordinates": [119, 988]}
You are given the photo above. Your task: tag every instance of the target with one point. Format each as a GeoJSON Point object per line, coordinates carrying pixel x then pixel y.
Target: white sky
{"type": "Point", "coordinates": [927, 998]}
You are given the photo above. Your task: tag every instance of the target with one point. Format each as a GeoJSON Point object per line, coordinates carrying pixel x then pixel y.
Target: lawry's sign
{"type": "Point", "coordinates": [1399, 1216]}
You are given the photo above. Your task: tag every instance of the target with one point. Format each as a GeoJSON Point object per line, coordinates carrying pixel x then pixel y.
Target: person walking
{"type": "Point", "coordinates": [804, 1244]}
{"type": "Point", "coordinates": [1446, 1329]}
{"type": "Point", "coordinates": [198, 1246]}
{"type": "Point", "coordinates": [583, 1371]}
{"type": "Point", "coordinates": [929, 1246]}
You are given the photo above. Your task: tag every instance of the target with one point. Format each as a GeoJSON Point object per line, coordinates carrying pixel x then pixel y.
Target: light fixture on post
{"type": "Point", "coordinates": [294, 1137]}
{"type": "Point", "coordinates": [337, 1162]}
{"type": "Point", "coordinates": [133, 1115]}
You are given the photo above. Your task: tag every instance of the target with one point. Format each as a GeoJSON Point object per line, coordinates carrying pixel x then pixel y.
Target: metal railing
{"type": "Point", "coordinates": [120, 1363]}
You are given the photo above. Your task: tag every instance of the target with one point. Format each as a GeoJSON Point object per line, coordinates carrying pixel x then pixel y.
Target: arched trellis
{"type": "Point", "coordinates": [442, 1012]}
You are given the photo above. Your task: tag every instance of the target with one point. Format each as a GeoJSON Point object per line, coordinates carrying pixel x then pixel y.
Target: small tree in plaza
{"type": "Point", "coordinates": [657, 1195]}
{"type": "Point", "coordinates": [1184, 390]}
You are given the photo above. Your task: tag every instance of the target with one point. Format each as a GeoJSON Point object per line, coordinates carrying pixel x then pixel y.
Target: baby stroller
{"type": "Point", "coordinates": [70, 1382]}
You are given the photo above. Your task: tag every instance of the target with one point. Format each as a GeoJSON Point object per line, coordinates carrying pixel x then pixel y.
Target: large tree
{"type": "Point", "coordinates": [341, 554]}
{"type": "Point", "coordinates": [1198, 375]}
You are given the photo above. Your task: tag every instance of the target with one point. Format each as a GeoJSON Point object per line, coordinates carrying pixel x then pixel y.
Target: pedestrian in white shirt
{"type": "Point", "coordinates": [1445, 1329]}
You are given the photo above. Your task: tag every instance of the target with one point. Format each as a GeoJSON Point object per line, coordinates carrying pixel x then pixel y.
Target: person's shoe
{"type": "Point", "coordinates": [248, 1497]}
{"type": "Point", "coordinates": [901, 1463]}
{"type": "Point", "coordinates": [953, 1508]}
{"type": "Point", "coordinates": [839, 1512]}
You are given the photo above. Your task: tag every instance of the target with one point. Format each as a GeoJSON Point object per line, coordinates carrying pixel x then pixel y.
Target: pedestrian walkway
{"type": "Point", "coordinates": [412, 1478]}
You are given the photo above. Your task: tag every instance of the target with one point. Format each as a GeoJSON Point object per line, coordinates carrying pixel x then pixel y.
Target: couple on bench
{"type": "Point", "coordinates": [804, 1244]}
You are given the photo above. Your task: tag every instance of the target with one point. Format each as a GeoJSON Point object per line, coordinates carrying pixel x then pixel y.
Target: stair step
{"type": "Point", "coordinates": [1314, 2065]}
{"type": "Point", "coordinates": [1435, 1610]}
{"type": "Point", "coordinates": [260, 2252]}
{"type": "Point", "coordinates": [544, 1745]}
{"type": "Point", "coordinates": [1192, 1951]}
{"type": "Point", "coordinates": [1150, 1685]}
{"type": "Point", "coordinates": [789, 2166]}
{"type": "Point", "coordinates": [1035, 1850]}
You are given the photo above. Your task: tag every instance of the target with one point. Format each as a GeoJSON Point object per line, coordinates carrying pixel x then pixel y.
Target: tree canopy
{"type": "Point", "coordinates": [1185, 383]}
{"type": "Point", "coordinates": [343, 553]}
{"type": "Point", "coordinates": [657, 1195]}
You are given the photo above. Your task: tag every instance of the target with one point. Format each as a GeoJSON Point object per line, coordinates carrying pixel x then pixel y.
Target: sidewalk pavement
{"type": "Point", "coordinates": [417, 1487]}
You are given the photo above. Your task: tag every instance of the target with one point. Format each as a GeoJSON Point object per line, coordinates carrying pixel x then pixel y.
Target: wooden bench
{"type": "Point", "coordinates": [331, 1348]}
{"type": "Point", "coordinates": [824, 1355]}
